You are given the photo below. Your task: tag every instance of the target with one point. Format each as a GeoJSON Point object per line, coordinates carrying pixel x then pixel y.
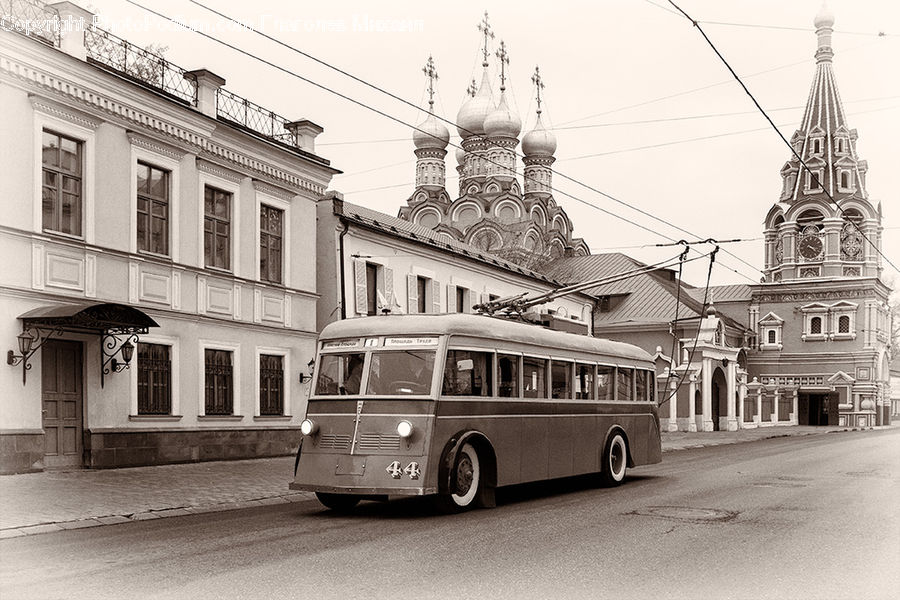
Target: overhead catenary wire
{"type": "Point", "coordinates": [784, 139]}
{"type": "Point", "coordinates": [404, 101]}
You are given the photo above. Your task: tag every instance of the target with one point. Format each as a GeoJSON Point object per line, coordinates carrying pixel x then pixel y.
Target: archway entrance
{"type": "Point", "coordinates": [719, 398]}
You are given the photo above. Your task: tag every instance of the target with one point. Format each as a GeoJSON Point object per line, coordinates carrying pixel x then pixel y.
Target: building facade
{"type": "Point", "coordinates": [372, 263]}
{"type": "Point", "coordinates": [822, 315]}
{"type": "Point", "coordinates": [159, 292]}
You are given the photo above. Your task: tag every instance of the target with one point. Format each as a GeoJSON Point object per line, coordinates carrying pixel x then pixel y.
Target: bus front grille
{"type": "Point", "coordinates": [378, 441]}
{"type": "Point", "coordinates": [334, 441]}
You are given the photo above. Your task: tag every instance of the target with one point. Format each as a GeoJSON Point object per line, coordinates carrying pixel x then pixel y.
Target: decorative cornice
{"type": "Point", "coordinates": [271, 190]}
{"type": "Point", "coordinates": [155, 146]}
{"type": "Point", "coordinates": [66, 113]}
{"type": "Point", "coordinates": [47, 82]}
{"type": "Point", "coordinates": [218, 171]}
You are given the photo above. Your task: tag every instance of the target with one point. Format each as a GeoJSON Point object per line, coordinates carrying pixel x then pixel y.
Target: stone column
{"type": "Point", "coordinates": [775, 405]}
{"type": "Point", "coordinates": [692, 414]}
{"type": "Point", "coordinates": [673, 406]}
{"type": "Point", "coordinates": [795, 416]}
{"type": "Point", "coordinates": [706, 394]}
{"type": "Point", "coordinates": [758, 417]}
{"type": "Point", "coordinates": [731, 396]}
{"type": "Point", "coordinates": [742, 395]}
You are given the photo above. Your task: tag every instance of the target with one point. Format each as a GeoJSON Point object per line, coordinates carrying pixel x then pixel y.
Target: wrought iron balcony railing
{"type": "Point", "coordinates": [252, 116]}
{"type": "Point", "coordinates": [139, 63]}
{"type": "Point", "coordinates": [31, 18]}
{"type": "Point", "coordinates": [42, 22]}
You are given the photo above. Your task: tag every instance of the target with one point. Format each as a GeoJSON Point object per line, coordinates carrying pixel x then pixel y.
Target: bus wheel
{"type": "Point", "coordinates": [465, 482]}
{"type": "Point", "coordinates": [338, 502]}
{"type": "Point", "coordinates": [615, 460]}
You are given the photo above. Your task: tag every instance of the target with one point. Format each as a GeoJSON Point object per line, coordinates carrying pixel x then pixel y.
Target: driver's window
{"type": "Point", "coordinates": [468, 373]}
{"type": "Point", "coordinates": [340, 374]}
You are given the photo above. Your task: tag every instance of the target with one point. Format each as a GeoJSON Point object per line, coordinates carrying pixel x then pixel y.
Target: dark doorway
{"type": "Point", "coordinates": [716, 412]}
{"type": "Point", "coordinates": [62, 403]}
{"type": "Point", "coordinates": [817, 409]}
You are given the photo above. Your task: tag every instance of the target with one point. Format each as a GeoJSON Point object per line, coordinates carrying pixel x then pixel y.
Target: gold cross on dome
{"type": "Point", "coordinates": [431, 74]}
{"type": "Point", "coordinates": [538, 85]}
{"type": "Point", "coordinates": [472, 89]}
{"type": "Point", "coordinates": [485, 28]}
{"type": "Point", "coordinates": [504, 60]}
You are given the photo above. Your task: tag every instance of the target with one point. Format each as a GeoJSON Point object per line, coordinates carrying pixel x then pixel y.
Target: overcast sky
{"type": "Point", "coordinates": [643, 109]}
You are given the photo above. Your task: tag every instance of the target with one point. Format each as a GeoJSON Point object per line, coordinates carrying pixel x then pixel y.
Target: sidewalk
{"type": "Point", "coordinates": [36, 503]}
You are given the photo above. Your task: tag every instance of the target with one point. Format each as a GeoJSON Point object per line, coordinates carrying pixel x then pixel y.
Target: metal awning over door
{"type": "Point", "coordinates": [118, 326]}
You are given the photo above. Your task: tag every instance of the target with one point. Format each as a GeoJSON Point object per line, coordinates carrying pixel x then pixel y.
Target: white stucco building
{"type": "Point", "coordinates": [147, 211]}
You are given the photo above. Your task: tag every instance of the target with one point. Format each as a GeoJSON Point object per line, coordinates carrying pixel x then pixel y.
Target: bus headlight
{"type": "Point", "coordinates": [404, 429]}
{"type": "Point", "coordinates": [308, 427]}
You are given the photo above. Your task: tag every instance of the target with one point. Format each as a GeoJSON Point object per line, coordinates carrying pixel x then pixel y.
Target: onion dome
{"type": "Point", "coordinates": [471, 116]}
{"type": "Point", "coordinates": [431, 133]}
{"type": "Point", "coordinates": [539, 141]}
{"type": "Point", "coordinates": [825, 18]}
{"type": "Point", "coordinates": [460, 155]}
{"type": "Point", "coordinates": [503, 122]}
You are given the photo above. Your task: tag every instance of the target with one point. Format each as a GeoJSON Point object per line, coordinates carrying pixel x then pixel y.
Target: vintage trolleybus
{"type": "Point", "coordinates": [457, 405]}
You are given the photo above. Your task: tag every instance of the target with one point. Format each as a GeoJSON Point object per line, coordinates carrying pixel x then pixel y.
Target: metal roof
{"type": "Point", "coordinates": [477, 326]}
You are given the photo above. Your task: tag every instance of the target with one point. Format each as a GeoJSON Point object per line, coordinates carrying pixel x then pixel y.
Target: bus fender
{"type": "Point", "coordinates": [297, 460]}
{"type": "Point", "coordinates": [486, 453]}
{"type": "Point", "coordinates": [609, 433]}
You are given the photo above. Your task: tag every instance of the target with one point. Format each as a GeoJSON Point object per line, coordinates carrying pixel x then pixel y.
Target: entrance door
{"type": "Point", "coordinates": [817, 409]}
{"type": "Point", "coordinates": [62, 397]}
{"type": "Point", "coordinates": [716, 409]}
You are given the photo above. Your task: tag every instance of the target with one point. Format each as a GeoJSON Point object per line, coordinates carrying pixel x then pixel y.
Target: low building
{"type": "Point", "coordinates": [372, 263]}
{"type": "Point", "coordinates": [153, 298]}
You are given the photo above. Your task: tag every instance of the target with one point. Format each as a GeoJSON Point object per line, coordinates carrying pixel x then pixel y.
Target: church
{"type": "Point", "coordinates": [809, 345]}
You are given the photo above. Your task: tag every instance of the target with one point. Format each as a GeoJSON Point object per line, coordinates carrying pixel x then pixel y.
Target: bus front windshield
{"type": "Point", "coordinates": [391, 373]}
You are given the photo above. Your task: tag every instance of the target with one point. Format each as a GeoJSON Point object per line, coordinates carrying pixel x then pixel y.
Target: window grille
{"type": "Point", "coordinates": [219, 393]}
{"type": "Point", "coordinates": [271, 385]}
{"type": "Point", "coordinates": [154, 367]}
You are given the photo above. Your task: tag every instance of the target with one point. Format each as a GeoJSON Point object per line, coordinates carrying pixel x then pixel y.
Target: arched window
{"type": "Point", "coordinates": [815, 325]}
{"type": "Point", "coordinates": [844, 324]}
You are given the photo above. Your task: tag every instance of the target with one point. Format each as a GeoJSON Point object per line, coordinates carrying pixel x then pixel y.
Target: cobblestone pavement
{"type": "Point", "coordinates": [36, 503]}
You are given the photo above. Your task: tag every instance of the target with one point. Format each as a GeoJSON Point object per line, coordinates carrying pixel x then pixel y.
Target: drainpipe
{"type": "Point", "coordinates": [343, 291]}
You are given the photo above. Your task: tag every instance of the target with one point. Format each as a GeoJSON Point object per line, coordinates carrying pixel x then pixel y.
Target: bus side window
{"type": "Point", "coordinates": [584, 382]}
{"type": "Point", "coordinates": [640, 385]}
{"type": "Point", "coordinates": [560, 379]}
{"type": "Point", "coordinates": [534, 372]}
{"type": "Point", "coordinates": [508, 366]}
{"type": "Point", "coordinates": [605, 382]}
{"type": "Point", "coordinates": [468, 373]}
{"type": "Point", "coordinates": [624, 387]}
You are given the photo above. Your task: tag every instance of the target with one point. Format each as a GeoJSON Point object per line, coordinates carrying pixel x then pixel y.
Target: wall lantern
{"type": "Point", "coordinates": [111, 346]}
{"type": "Point", "coordinates": [311, 365]}
{"type": "Point", "coordinates": [30, 341]}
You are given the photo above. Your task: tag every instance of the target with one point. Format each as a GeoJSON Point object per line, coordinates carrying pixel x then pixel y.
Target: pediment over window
{"type": "Point", "coordinates": [840, 377]}
{"type": "Point", "coordinates": [815, 307]}
{"type": "Point", "coordinates": [771, 319]}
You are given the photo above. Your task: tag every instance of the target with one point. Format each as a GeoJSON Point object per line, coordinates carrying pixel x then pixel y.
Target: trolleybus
{"type": "Point", "coordinates": [457, 405]}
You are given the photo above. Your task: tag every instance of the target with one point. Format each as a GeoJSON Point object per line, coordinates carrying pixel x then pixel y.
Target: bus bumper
{"type": "Point", "coordinates": [362, 491]}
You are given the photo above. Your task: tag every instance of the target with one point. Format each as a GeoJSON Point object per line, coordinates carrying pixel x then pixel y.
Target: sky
{"type": "Point", "coordinates": [643, 109]}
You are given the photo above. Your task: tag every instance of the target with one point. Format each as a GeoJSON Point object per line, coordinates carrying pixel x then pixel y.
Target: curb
{"type": "Point", "coordinates": [29, 530]}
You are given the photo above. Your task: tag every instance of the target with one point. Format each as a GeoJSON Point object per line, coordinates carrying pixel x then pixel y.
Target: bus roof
{"type": "Point", "coordinates": [478, 326]}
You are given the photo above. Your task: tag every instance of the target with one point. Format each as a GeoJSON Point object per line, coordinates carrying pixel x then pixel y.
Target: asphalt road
{"type": "Point", "coordinates": [801, 517]}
